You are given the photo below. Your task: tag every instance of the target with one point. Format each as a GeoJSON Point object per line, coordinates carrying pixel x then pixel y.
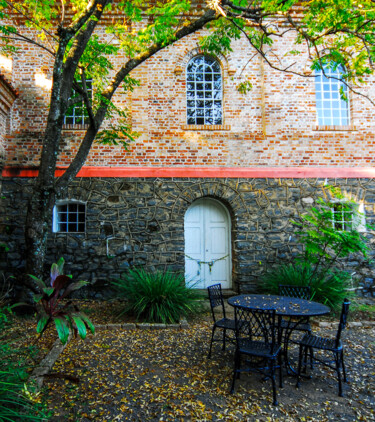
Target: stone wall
{"type": "Point", "coordinates": [140, 221]}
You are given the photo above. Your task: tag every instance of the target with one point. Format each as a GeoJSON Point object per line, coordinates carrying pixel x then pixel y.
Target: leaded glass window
{"type": "Point", "coordinates": [204, 91]}
{"type": "Point", "coordinates": [332, 109]}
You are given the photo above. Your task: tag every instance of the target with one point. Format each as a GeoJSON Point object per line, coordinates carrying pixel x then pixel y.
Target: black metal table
{"type": "Point", "coordinates": [294, 310]}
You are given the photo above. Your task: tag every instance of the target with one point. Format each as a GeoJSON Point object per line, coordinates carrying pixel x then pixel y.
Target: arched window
{"type": "Point", "coordinates": [204, 91]}
{"type": "Point", "coordinates": [331, 109]}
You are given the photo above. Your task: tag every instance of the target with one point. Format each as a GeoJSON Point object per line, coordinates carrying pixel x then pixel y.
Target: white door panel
{"type": "Point", "coordinates": [207, 244]}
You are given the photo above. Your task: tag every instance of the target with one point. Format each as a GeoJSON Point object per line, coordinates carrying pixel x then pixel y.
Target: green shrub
{"type": "Point", "coordinates": [329, 288]}
{"type": "Point", "coordinates": [326, 241]}
{"type": "Point", "coordinates": [17, 403]}
{"type": "Point", "coordinates": [160, 297]}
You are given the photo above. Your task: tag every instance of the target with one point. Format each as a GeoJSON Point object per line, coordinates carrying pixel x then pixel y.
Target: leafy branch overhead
{"type": "Point", "coordinates": [317, 33]}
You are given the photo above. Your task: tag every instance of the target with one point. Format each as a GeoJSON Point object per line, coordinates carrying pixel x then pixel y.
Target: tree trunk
{"type": "Point", "coordinates": [38, 219]}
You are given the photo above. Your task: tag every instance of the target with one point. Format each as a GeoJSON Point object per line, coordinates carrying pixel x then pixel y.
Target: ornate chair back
{"type": "Point", "coordinates": [301, 292]}
{"type": "Point", "coordinates": [256, 325]}
{"type": "Point", "coordinates": [215, 297]}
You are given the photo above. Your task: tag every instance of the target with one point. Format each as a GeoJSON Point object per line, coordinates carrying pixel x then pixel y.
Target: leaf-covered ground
{"type": "Point", "coordinates": [164, 375]}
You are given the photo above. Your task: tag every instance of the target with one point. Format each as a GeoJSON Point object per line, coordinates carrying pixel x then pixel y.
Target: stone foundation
{"type": "Point", "coordinates": [140, 221]}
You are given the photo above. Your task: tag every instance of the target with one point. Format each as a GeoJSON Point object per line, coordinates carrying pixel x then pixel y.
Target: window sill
{"type": "Point", "coordinates": [206, 127]}
{"type": "Point", "coordinates": [75, 127]}
{"type": "Point", "coordinates": [348, 128]}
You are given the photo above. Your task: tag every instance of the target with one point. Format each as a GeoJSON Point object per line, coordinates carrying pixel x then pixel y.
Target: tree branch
{"type": "Point", "coordinates": [286, 69]}
{"type": "Point", "coordinates": [108, 93]}
{"type": "Point", "coordinates": [10, 5]}
{"type": "Point", "coordinates": [28, 40]}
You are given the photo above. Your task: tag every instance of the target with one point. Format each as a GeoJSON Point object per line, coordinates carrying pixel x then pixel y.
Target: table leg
{"type": "Point", "coordinates": [286, 330]}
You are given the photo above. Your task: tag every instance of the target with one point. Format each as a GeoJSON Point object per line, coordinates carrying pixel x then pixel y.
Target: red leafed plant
{"type": "Point", "coordinates": [51, 306]}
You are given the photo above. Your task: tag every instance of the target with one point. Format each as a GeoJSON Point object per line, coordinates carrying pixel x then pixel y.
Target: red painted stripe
{"type": "Point", "coordinates": [201, 172]}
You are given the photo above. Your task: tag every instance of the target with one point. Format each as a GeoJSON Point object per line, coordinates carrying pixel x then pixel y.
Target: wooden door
{"type": "Point", "coordinates": [207, 244]}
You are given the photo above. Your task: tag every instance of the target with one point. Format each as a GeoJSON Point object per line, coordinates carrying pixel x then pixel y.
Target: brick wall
{"type": "Point", "coordinates": [273, 125]}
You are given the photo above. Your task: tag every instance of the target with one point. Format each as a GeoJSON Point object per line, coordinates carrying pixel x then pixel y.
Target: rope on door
{"type": "Point", "coordinates": [209, 263]}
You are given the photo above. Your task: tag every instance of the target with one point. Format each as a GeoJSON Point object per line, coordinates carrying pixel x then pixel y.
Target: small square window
{"type": "Point", "coordinates": [342, 216]}
{"type": "Point", "coordinates": [69, 217]}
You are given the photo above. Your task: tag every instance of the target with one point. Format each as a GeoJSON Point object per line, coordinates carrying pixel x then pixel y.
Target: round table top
{"type": "Point", "coordinates": [284, 305]}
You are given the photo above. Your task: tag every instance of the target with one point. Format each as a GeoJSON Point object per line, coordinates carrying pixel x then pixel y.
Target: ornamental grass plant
{"type": "Point", "coordinates": [329, 288]}
{"type": "Point", "coordinates": [157, 297]}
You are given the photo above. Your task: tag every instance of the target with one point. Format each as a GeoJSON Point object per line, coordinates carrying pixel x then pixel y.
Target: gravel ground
{"type": "Point", "coordinates": [165, 375]}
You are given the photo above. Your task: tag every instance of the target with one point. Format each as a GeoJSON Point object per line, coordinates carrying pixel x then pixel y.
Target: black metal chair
{"type": "Point", "coordinates": [256, 338]}
{"type": "Point", "coordinates": [215, 297]}
{"type": "Point", "coordinates": [301, 292]}
{"type": "Point", "coordinates": [334, 345]}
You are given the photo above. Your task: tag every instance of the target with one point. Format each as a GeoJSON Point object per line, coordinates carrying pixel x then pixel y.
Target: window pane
{"type": "Point", "coordinates": [77, 113]}
{"type": "Point", "coordinates": [199, 69]}
{"type": "Point", "coordinates": [68, 215]}
{"type": "Point", "coordinates": [333, 110]}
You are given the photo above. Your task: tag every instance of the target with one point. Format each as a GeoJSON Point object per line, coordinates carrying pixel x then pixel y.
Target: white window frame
{"type": "Point", "coordinates": [77, 113]}
{"type": "Point", "coordinates": [57, 214]}
{"type": "Point", "coordinates": [357, 220]}
{"type": "Point", "coordinates": [331, 109]}
{"type": "Point", "coordinates": [204, 92]}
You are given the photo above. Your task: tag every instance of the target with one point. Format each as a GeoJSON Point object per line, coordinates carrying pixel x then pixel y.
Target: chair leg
{"type": "Point", "coordinates": [275, 402]}
{"type": "Point", "coordinates": [224, 336]}
{"type": "Point", "coordinates": [280, 371]}
{"type": "Point", "coordinates": [301, 352]}
{"type": "Point", "coordinates": [343, 366]}
{"type": "Point", "coordinates": [236, 367]}
{"type": "Point", "coordinates": [212, 339]}
{"type": "Point", "coordinates": [338, 370]}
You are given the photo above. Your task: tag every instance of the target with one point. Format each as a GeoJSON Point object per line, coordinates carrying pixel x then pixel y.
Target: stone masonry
{"type": "Point", "coordinates": [140, 221]}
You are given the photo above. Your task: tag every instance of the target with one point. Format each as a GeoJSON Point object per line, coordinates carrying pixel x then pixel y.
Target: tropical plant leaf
{"type": "Point", "coordinates": [88, 322]}
{"type": "Point", "coordinates": [60, 265]}
{"type": "Point", "coordinates": [61, 282]}
{"type": "Point", "coordinates": [49, 291]}
{"type": "Point", "coordinates": [54, 273]}
{"type": "Point", "coordinates": [80, 324]}
{"type": "Point", "coordinates": [38, 297]}
{"type": "Point", "coordinates": [41, 284]}
{"type": "Point", "coordinates": [42, 323]}
{"type": "Point", "coordinates": [72, 287]}
{"type": "Point", "coordinates": [62, 329]}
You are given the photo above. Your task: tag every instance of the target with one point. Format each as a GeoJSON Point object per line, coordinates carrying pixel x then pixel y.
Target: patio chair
{"type": "Point", "coordinates": [215, 297]}
{"type": "Point", "coordinates": [333, 345]}
{"type": "Point", "coordinates": [301, 292]}
{"type": "Point", "coordinates": [256, 338]}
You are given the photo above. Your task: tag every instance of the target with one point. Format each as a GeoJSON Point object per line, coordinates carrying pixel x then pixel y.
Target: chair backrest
{"type": "Point", "coordinates": [343, 320]}
{"type": "Point", "coordinates": [215, 297]}
{"type": "Point", "coordinates": [256, 325]}
{"type": "Point", "coordinates": [302, 292]}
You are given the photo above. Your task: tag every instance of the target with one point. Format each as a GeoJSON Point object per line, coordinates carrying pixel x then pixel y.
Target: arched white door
{"type": "Point", "coordinates": [207, 244]}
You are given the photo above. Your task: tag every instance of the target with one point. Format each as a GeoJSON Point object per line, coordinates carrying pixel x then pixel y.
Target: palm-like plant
{"type": "Point", "coordinates": [53, 309]}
